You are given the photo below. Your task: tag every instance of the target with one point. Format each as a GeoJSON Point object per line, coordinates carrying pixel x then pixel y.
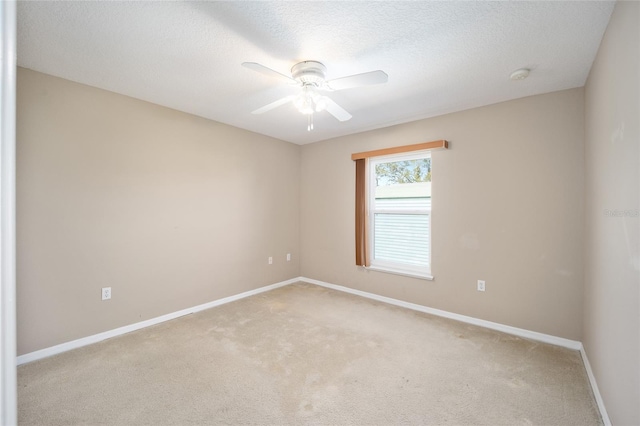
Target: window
{"type": "Point", "coordinates": [393, 208]}
{"type": "Point", "coordinates": [399, 206]}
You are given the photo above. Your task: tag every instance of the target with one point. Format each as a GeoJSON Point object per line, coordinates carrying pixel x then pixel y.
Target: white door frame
{"type": "Point", "coordinates": [8, 389]}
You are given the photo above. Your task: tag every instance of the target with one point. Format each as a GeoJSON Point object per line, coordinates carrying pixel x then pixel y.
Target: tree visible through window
{"type": "Point", "coordinates": [407, 171]}
{"type": "Point", "coordinates": [400, 213]}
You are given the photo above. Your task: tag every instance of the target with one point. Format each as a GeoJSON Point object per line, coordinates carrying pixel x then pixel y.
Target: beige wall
{"type": "Point", "coordinates": [507, 208]}
{"type": "Point", "coordinates": [168, 209]}
{"type": "Point", "coordinates": [612, 255]}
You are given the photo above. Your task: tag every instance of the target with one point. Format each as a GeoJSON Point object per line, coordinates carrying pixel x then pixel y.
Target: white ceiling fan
{"type": "Point", "coordinates": [310, 76]}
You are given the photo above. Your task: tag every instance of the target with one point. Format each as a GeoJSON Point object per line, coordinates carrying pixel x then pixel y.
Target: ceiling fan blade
{"type": "Point", "coordinates": [274, 105]}
{"type": "Point", "coordinates": [268, 71]}
{"type": "Point", "coordinates": [336, 110]}
{"type": "Point", "coordinates": [358, 80]}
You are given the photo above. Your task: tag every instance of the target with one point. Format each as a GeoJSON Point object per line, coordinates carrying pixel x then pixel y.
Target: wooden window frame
{"type": "Point", "coordinates": [362, 196]}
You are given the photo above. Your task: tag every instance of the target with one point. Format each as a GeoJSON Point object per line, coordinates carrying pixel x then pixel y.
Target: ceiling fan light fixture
{"type": "Point", "coordinates": [304, 105]}
{"type": "Point", "coordinates": [308, 72]}
{"type": "Point", "coordinates": [321, 103]}
{"type": "Point", "coordinates": [307, 109]}
{"type": "Point", "coordinates": [310, 77]}
{"type": "Point", "coordinates": [309, 101]}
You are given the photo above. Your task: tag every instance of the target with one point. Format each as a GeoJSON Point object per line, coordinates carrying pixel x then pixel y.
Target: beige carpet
{"type": "Point", "coordinates": [304, 354]}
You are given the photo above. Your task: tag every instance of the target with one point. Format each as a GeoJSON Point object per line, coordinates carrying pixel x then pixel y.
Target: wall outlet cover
{"type": "Point", "coordinates": [106, 293]}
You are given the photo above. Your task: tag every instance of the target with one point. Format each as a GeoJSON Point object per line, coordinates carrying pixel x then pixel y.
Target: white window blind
{"type": "Point", "coordinates": [402, 238]}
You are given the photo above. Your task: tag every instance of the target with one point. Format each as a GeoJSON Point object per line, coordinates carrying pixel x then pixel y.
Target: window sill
{"type": "Point", "coordinates": [397, 272]}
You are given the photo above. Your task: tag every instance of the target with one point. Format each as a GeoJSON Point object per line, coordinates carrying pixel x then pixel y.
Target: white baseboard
{"type": "Point", "coordinates": [533, 335]}
{"type": "Point", "coordinates": [527, 334]}
{"type": "Point", "coordinates": [594, 387]}
{"type": "Point", "coordinates": [67, 346]}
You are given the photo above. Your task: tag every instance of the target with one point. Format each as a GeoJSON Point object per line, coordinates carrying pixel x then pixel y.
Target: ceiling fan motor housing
{"type": "Point", "coordinates": [308, 72]}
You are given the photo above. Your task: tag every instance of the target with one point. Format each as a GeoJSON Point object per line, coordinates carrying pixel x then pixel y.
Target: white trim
{"type": "Point", "coordinates": [378, 268]}
{"type": "Point", "coordinates": [527, 334]}
{"type": "Point", "coordinates": [84, 341]}
{"type": "Point", "coordinates": [594, 387]}
{"type": "Point", "coordinates": [8, 379]}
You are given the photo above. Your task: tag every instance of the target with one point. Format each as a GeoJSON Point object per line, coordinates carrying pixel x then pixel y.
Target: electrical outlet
{"type": "Point", "coordinates": [270, 260]}
{"type": "Point", "coordinates": [480, 285]}
{"type": "Point", "coordinates": [106, 293]}
{"type": "Point", "coordinates": [288, 257]}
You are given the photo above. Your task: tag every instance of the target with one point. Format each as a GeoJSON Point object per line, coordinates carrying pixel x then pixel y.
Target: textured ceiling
{"type": "Point", "coordinates": [440, 56]}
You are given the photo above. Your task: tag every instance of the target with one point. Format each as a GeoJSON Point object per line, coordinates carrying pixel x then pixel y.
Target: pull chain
{"type": "Point", "coordinates": [310, 122]}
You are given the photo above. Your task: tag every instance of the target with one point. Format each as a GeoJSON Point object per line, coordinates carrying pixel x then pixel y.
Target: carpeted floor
{"type": "Point", "coordinates": [304, 354]}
